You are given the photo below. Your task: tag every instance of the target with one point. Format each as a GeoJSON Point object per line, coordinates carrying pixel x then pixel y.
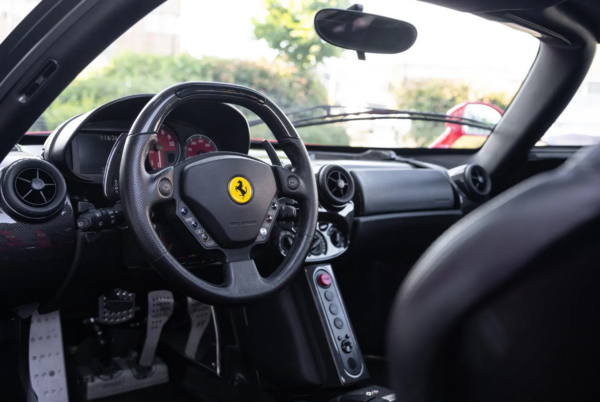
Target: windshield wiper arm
{"type": "Point", "coordinates": [375, 114]}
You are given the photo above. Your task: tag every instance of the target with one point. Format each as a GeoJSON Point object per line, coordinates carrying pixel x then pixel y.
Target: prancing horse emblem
{"type": "Point", "coordinates": [240, 190]}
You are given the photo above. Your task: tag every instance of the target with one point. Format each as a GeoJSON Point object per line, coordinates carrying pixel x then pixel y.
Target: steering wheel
{"type": "Point", "coordinates": [227, 201]}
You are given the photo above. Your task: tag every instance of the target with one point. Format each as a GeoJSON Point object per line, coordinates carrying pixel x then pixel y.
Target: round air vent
{"type": "Point", "coordinates": [478, 180]}
{"type": "Point", "coordinates": [473, 180]}
{"type": "Point", "coordinates": [33, 188]}
{"type": "Point", "coordinates": [336, 186]}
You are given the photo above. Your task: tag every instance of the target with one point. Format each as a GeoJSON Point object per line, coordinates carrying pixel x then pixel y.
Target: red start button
{"type": "Point", "coordinates": [324, 280]}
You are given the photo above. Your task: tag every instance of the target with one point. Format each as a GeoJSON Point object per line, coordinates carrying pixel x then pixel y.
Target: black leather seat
{"type": "Point", "coordinates": [505, 306]}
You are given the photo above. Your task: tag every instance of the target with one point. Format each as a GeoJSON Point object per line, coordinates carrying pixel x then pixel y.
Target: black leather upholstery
{"type": "Point", "coordinates": [503, 305]}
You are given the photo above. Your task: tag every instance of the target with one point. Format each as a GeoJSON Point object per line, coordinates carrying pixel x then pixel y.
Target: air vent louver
{"type": "Point", "coordinates": [337, 183]}
{"type": "Point", "coordinates": [336, 186]}
{"type": "Point", "coordinates": [35, 187]}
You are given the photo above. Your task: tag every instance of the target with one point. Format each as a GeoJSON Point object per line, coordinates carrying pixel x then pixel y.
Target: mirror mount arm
{"type": "Point", "coordinates": [359, 8]}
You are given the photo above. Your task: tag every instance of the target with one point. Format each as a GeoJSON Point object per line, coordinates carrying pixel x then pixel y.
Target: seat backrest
{"type": "Point", "coordinates": [503, 306]}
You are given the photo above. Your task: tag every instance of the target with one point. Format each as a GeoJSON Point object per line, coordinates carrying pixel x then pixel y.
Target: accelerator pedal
{"type": "Point", "coordinates": [46, 359]}
{"type": "Point", "coordinates": [160, 309]}
{"type": "Point", "coordinates": [200, 315]}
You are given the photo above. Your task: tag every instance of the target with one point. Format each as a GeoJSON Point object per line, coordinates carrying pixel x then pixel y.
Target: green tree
{"type": "Point", "coordinates": [327, 134]}
{"type": "Point", "coordinates": [288, 28]}
{"type": "Point", "coordinates": [131, 73]}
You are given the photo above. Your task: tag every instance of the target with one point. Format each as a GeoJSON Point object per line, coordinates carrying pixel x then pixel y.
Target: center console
{"type": "Point", "coordinates": [335, 323]}
{"type": "Point", "coordinates": [303, 336]}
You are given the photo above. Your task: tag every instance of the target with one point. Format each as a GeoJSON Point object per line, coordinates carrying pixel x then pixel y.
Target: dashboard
{"type": "Point", "coordinates": [367, 205]}
{"type": "Point", "coordinates": [80, 147]}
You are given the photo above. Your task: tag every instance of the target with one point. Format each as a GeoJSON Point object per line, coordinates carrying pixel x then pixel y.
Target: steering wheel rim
{"type": "Point", "coordinates": [140, 194]}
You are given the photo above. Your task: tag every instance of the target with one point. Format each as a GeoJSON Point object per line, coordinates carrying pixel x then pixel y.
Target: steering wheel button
{"type": "Point", "coordinates": [269, 219]}
{"type": "Point", "coordinates": [194, 224]}
{"type": "Point", "coordinates": [184, 211]}
{"type": "Point", "coordinates": [204, 237]}
{"type": "Point", "coordinates": [165, 187]}
{"type": "Point", "coordinates": [324, 280]}
{"type": "Point", "coordinates": [263, 231]}
{"type": "Point", "coordinates": [293, 182]}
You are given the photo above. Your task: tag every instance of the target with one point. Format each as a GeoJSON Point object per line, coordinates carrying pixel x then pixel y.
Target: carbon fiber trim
{"type": "Point", "coordinates": [34, 257]}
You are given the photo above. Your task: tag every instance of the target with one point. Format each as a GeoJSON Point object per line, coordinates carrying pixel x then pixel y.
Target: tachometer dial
{"type": "Point", "coordinates": [199, 144]}
{"type": "Point", "coordinates": [165, 152]}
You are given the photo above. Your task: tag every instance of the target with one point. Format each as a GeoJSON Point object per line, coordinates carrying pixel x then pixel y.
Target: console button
{"type": "Point", "coordinates": [339, 324]}
{"type": "Point", "coordinates": [352, 363]}
{"type": "Point", "coordinates": [347, 347]}
{"type": "Point", "coordinates": [333, 309]}
{"type": "Point", "coordinates": [329, 295]}
{"type": "Point", "coordinates": [324, 280]}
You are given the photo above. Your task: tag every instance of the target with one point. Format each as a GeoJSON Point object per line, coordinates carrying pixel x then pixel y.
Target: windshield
{"type": "Point", "coordinates": [460, 65]}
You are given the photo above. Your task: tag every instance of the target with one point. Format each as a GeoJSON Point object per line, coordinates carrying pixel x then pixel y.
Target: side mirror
{"type": "Point", "coordinates": [459, 136]}
{"type": "Point", "coordinates": [482, 112]}
{"type": "Point", "coordinates": [365, 33]}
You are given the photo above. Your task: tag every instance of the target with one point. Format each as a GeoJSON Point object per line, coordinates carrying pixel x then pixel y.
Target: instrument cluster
{"type": "Point", "coordinates": [80, 148]}
{"type": "Point", "coordinates": [169, 148]}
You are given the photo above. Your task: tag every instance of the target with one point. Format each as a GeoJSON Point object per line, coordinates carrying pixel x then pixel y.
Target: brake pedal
{"type": "Point", "coordinates": [46, 358]}
{"type": "Point", "coordinates": [200, 315]}
{"type": "Point", "coordinates": [160, 309]}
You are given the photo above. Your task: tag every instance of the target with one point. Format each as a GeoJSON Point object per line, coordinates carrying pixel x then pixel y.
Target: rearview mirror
{"type": "Point", "coordinates": [366, 33]}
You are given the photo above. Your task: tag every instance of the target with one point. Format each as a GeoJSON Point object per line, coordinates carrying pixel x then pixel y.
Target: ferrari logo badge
{"type": "Point", "coordinates": [240, 190]}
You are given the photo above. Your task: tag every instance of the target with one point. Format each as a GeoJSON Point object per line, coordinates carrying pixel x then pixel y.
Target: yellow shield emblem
{"type": "Point", "coordinates": [240, 190]}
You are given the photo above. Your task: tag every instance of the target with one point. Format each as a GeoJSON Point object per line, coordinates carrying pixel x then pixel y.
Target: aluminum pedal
{"type": "Point", "coordinates": [160, 309]}
{"type": "Point", "coordinates": [46, 358]}
{"type": "Point", "coordinates": [200, 315]}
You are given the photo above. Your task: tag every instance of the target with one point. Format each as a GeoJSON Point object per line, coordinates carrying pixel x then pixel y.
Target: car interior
{"type": "Point", "coordinates": [152, 248]}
